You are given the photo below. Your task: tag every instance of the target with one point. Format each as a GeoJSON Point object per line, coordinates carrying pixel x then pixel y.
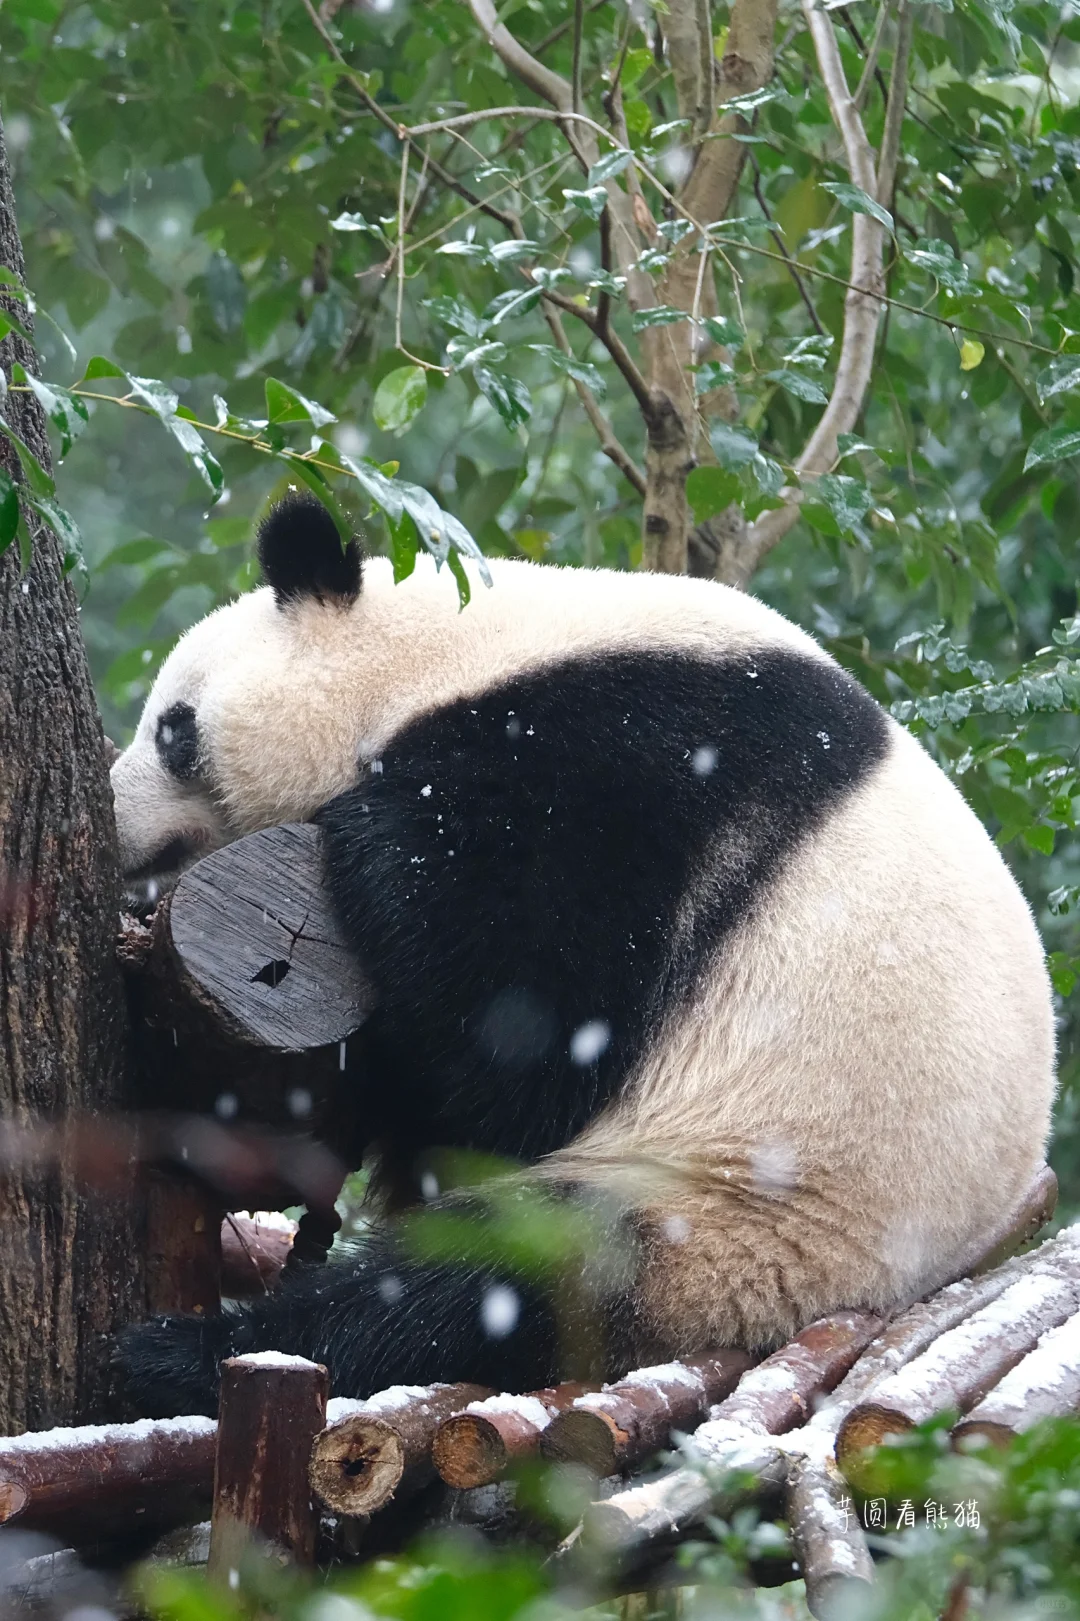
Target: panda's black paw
{"type": "Point", "coordinates": [169, 1365]}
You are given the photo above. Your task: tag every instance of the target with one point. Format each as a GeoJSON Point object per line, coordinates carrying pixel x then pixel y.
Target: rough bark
{"type": "Point", "coordinates": [70, 1269]}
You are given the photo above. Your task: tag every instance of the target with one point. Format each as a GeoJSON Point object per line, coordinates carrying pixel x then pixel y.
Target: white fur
{"type": "Point", "coordinates": [863, 1085]}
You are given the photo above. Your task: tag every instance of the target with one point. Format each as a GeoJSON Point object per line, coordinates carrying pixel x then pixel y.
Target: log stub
{"type": "Point", "coordinates": [255, 936]}
{"type": "Point", "coordinates": [271, 1409]}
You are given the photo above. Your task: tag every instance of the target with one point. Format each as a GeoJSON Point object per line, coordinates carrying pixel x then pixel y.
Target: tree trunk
{"type": "Point", "coordinates": [69, 1260]}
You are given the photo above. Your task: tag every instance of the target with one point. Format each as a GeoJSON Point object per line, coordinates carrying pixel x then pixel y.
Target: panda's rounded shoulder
{"type": "Point", "coordinates": [666, 607]}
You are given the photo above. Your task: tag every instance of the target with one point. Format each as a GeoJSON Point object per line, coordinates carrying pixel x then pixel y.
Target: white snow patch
{"type": "Point", "coordinates": [95, 1435]}
{"type": "Point", "coordinates": [530, 1408]}
{"type": "Point", "coordinates": [275, 1359]}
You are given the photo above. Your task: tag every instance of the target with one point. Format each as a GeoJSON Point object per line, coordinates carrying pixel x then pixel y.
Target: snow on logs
{"type": "Point", "coordinates": [476, 1446]}
{"type": "Point", "coordinates": [106, 1474]}
{"type": "Point", "coordinates": [380, 1448]}
{"type": "Point", "coordinates": [964, 1362]}
{"type": "Point", "coordinates": [1046, 1384]}
{"type": "Point", "coordinates": [735, 1445]}
{"type": "Point", "coordinates": [612, 1429]}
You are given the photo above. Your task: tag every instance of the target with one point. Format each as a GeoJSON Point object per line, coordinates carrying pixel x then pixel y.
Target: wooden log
{"type": "Point", "coordinates": [829, 1543]}
{"type": "Point", "coordinates": [257, 941]}
{"type": "Point", "coordinates": [915, 1329]}
{"type": "Point", "coordinates": [958, 1369]}
{"type": "Point", "coordinates": [183, 1244]}
{"type": "Point", "coordinates": [271, 1409]}
{"type": "Point", "coordinates": [1029, 1218]}
{"type": "Point", "coordinates": [780, 1392]}
{"type": "Point", "coordinates": [477, 1446]}
{"type": "Point", "coordinates": [254, 1249]}
{"type": "Point", "coordinates": [380, 1448]}
{"type": "Point", "coordinates": [612, 1429]}
{"type": "Point", "coordinates": [734, 1446]}
{"type": "Point", "coordinates": [84, 1481]}
{"type": "Point", "coordinates": [1045, 1384]}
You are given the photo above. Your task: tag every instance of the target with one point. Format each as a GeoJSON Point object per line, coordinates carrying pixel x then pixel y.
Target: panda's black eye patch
{"type": "Point", "coordinates": [177, 741]}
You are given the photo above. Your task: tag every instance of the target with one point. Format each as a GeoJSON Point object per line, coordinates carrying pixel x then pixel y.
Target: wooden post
{"type": "Point", "coordinates": [183, 1245]}
{"type": "Point", "coordinates": [272, 1407]}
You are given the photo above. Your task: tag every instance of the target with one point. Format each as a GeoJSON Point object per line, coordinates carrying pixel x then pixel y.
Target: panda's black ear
{"type": "Point", "coordinates": [301, 554]}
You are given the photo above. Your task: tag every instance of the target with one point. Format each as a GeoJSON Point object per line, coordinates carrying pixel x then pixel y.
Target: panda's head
{"type": "Point", "coordinates": [237, 731]}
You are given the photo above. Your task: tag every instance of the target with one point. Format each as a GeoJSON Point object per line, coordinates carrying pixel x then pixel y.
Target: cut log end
{"type": "Point", "coordinates": [866, 1427]}
{"type": "Point", "coordinates": [13, 1499]}
{"type": "Point", "coordinates": [357, 1465]}
{"type": "Point", "coordinates": [591, 1438]}
{"type": "Point", "coordinates": [469, 1451]}
{"type": "Point", "coordinates": [979, 1432]}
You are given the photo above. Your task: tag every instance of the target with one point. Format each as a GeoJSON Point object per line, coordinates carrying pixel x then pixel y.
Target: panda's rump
{"type": "Point", "coordinates": [861, 1088]}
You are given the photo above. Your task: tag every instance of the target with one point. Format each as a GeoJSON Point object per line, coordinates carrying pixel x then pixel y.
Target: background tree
{"type": "Point", "coordinates": [69, 1268]}
{"type": "Point", "coordinates": [787, 297]}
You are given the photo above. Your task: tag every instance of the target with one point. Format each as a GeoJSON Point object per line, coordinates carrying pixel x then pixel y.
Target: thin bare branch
{"type": "Point", "coordinates": [862, 305]}
{"type": "Point", "coordinates": [894, 116]}
{"type": "Point", "coordinates": [872, 54]}
{"type": "Point", "coordinates": [575, 81]}
{"type": "Point", "coordinates": [611, 447]}
{"type": "Point", "coordinates": [778, 238]}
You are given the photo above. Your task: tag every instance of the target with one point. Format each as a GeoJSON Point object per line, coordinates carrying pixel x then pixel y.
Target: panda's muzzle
{"type": "Point", "coordinates": [167, 862]}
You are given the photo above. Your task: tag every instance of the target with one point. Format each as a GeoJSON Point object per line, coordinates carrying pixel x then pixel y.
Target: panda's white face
{"type": "Point", "coordinates": [244, 726]}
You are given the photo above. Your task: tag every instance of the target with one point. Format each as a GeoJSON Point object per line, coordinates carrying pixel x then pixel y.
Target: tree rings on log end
{"type": "Point", "coordinates": [469, 1451]}
{"type": "Point", "coordinates": [866, 1427]}
{"type": "Point", "coordinates": [13, 1499]}
{"type": "Point", "coordinates": [253, 927]}
{"type": "Point", "coordinates": [590, 1438]}
{"type": "Point", "coordinates": [357, 1465]}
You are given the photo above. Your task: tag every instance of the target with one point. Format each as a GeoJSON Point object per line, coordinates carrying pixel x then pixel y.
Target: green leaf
{"type": "Point", "coordinates": [713, 374]}
{"type": "Point", "coordinates": [357, 222]}
{"type": "Point", "coordinates": [399, 398]}
{"type": "Point", "coordinates": [510, 397]}
{"type": "Point", "coordinates": [859, 201]}
{"type": "Point", "coordinates": [453, 313]}
{"type": "Point", "coordinates": [223, 533]}
{"type": "Point", "coordinates": [63, 526]}
{"type": "Point", "coordinates": [404, 545]}
{"type": "Point", "coordinates": [659, 315]}
{"type": "Point", "coordinates": [157, 395]}
{"type": "Point", "coordinates": [507, 306]}
{"type": "Point", "coordinates": [39, 481]}
{"type": "Point", "coordinates": [1059, 377]}
{"type": "Point", "coordinates": [711, 490]}
{"type": "Point", "coordinates": [464, 352]}
{"type": "Point", "coordinates": [191, 443]}
{"type": "Point", "coordinates": [801, 386]}
{"type": "Point", "coordinates": [848, 499]}
{"type": "Point", "coordinates": [100, 367]}
{"type": "Point", "coordinates": [464, 590]}
{"type": "Point", "coordinates": [729, 334]}
{"type": "Point", "coordinates": [1040, 838]}
{"type": "Point", "coordinates": [733, 447]}
{"type": "Point", "coordinates": [139, 551]}
{"type": "Point", "coordinates": [1052, 445]}
{"type": "Point", "coordinates": [612, 163]}
{"type": "Point", "coordinates": [286, 404]}
{"type": "Point", "coordinates": [591, 202]}
{"type": "Point", "coordinates": [384, 492]}
{"type": "Point", "coordinates": [940, 261]}
{"type": "Point", "coordinates": [67, 413]}
{"type": "Point", "coordinates": [582, 371]}
{"type": "Point", "coordinates": [9, 511]}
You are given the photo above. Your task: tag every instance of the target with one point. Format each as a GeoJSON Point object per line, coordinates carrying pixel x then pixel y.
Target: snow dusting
{"type": "Point", "coordinates": [95, 1435]}
{"type": "Point", "coordinates": [530, 1408]}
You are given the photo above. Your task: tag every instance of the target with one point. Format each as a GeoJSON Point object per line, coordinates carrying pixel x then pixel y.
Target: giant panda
{"type": "Point", "coordinates": [664, 914]}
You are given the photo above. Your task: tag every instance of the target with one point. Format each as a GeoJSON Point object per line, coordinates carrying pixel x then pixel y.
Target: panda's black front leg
{"type": "Point", "coordinates": [377, 1320]}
